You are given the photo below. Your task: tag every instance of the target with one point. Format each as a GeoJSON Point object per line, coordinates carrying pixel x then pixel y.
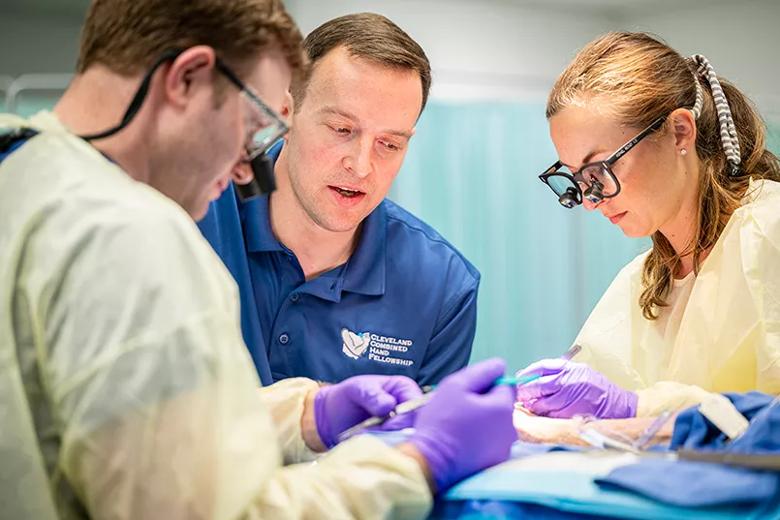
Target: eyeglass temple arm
{"type": "Point", "coordinates": [623, 150]}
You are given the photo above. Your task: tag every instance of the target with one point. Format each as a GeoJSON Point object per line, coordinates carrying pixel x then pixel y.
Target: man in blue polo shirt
{"type": "Point", "coordinates": [335, 280]}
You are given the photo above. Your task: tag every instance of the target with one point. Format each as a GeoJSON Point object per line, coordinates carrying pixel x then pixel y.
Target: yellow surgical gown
{"type": "Point", "coordinates": [725, 338]}
{"type": "Point", "coordinates": [125, 388]}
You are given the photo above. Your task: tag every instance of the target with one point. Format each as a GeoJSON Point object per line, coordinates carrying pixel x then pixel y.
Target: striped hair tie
{"type": "Point", "coordinates": [728, 132]}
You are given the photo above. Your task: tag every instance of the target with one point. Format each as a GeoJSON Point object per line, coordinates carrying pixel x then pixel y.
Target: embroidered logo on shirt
{"type": "Point", "coordinates": [354, 345]}
{"type": "Point", "coordinates": [381, 349]}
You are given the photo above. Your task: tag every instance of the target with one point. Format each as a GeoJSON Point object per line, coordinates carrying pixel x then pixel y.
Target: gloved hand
{"type": "Point", "coordinates": [343, 405]}
{"type": "Point", "coordinates": [467, 424]}
{"type": "Point", "coordinates": [566, 389]}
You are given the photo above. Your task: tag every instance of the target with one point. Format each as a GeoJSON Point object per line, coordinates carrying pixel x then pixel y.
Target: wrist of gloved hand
{"type": "Point", "coordinates": [324, 428]}
{"type": "Point", "coordinates": [438, 457]}
{"type": "Point", "coordinates": [309, 432]}
{"type": "Point", "coordinates": [467, 425]}
{"type": "Point", "coordinates": [624, 405]}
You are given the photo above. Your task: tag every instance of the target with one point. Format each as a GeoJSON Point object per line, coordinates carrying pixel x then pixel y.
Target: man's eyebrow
{"type": "Point", "coordinates": [399, 133]}
{"type": "Point", "coordinates": [337, 111]}
{"type": "Point", "coordinates": [343, 113]}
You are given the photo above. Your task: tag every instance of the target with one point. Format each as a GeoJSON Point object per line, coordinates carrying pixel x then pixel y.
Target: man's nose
{"type": "Point", "coordinates": [358, 160]}
{"type": "Point", "coordinates": [222, 183]}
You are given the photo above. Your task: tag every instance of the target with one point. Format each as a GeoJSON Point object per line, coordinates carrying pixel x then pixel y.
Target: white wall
{"type": "Point", "coordinates": [515, 49]}
{"type": "Point", "coordinates": [38, 43]}
{"type": "Point", "coordinates": [486, 49]}
{"type": "Point", "coordinates": [740, 38]}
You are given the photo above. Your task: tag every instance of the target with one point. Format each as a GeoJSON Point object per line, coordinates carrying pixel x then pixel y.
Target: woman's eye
{"type": "Point", "coordinates": [341, 130]}
{"type": "Point", "coordinates": [591, 176]}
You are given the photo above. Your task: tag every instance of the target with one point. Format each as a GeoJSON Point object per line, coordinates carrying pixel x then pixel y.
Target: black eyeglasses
{"type": "Point", "coordinates": [594, 181]}
{"type": "Point", "coordinates": [264, 126]}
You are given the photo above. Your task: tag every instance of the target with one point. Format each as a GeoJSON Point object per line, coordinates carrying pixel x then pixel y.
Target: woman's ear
{"type": "Point", "coordinates": [684, 129]}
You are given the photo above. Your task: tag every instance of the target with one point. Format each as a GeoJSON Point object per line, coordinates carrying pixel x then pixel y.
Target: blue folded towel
{"type": "Point", "coordinates": [697, 484]}
{"type": "Point", "coordinates": [694, 431]}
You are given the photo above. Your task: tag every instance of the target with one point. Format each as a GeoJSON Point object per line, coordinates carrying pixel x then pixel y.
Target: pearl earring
{"type": "Point", "coordinates": [683, 151]}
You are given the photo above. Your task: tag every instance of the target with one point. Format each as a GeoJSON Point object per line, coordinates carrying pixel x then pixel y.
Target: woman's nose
{"type": "Point", "coordinates": [589, 205]}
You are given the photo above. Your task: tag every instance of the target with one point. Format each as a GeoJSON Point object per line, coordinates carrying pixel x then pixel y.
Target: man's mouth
{"type": "Point", "coordinates": [346, 192]}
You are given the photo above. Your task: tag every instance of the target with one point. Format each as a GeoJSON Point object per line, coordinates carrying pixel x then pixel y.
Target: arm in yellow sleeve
{"type": "Point", "coordinates": [668, 395]}
{"type": "Point", "coordinates": [760, 240]}
{"type": "Point", "coordinates": [158, 405]}
{"type": "Point", "coordinates": [285, 402]}
{"type": "Point", "coordinates": [211, 452]}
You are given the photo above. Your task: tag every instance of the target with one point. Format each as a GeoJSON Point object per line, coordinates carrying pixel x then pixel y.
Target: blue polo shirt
{"type": "Point", "coordinates": [404, 302]}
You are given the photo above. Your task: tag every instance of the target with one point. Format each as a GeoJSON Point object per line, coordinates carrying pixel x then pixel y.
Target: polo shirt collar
{"type": "Point", "coordinates": [256, 216]}
{"type": "Point", "coordinates": [256, 220]}
{"type": "Point", "coordinates": [366, 269]}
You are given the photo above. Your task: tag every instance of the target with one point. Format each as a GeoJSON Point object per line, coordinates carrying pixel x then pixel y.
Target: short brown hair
{"type": "Point", "coordinates": [638, 78]}
{"type": "Point", "coordinates": [372, 37]}
{"type": "Point", "coordinates": [127, 36]}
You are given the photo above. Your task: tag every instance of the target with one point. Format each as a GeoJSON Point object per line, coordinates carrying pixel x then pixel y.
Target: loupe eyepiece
{"type": "Point", "coordinates": [568, 199]}
{"type": "Point", "coordinates": [263, 182]}
{"type": "Point", "coordinates": [594, 193]}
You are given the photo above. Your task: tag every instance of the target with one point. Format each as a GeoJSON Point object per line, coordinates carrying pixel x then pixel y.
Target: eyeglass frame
{"type": "Point", "coordinates": [172, 54]}
{"type": "Point", "coordinates": [605, 165]}
{"type": "Point", "coordinates": [282, 127]}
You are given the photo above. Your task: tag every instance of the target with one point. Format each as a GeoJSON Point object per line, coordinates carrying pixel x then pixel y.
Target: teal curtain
{"type": "Point", "coordinates": [773, 136]}
{"type": "Point", "coordinates": [471, 173]}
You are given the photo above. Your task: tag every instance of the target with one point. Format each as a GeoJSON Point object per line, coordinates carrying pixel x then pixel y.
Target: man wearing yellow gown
{"type": "Point", "coordinates": [125, 388]}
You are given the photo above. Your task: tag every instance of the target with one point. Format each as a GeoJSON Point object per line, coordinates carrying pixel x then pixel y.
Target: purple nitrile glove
{"type": "Point", "coordinates": [566, 389]}
{"type": "Point", "coordinates": [343, 405]}
{"type": "Point", "coordinates": [467, 424]}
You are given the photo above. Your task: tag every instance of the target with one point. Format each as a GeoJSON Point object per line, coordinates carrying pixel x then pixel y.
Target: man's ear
{"type": "Point", "coordinates": [288, 107]}
{"type": "Point", "coordinates": [242, 173]}
{"type": "Point", "coordinates": [191, 70]}
{"type": "Point", "coordinates": [684, 128]}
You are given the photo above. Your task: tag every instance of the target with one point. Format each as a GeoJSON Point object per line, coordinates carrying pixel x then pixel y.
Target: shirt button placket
{"type": "Point", "coordinates": [284, 338]}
